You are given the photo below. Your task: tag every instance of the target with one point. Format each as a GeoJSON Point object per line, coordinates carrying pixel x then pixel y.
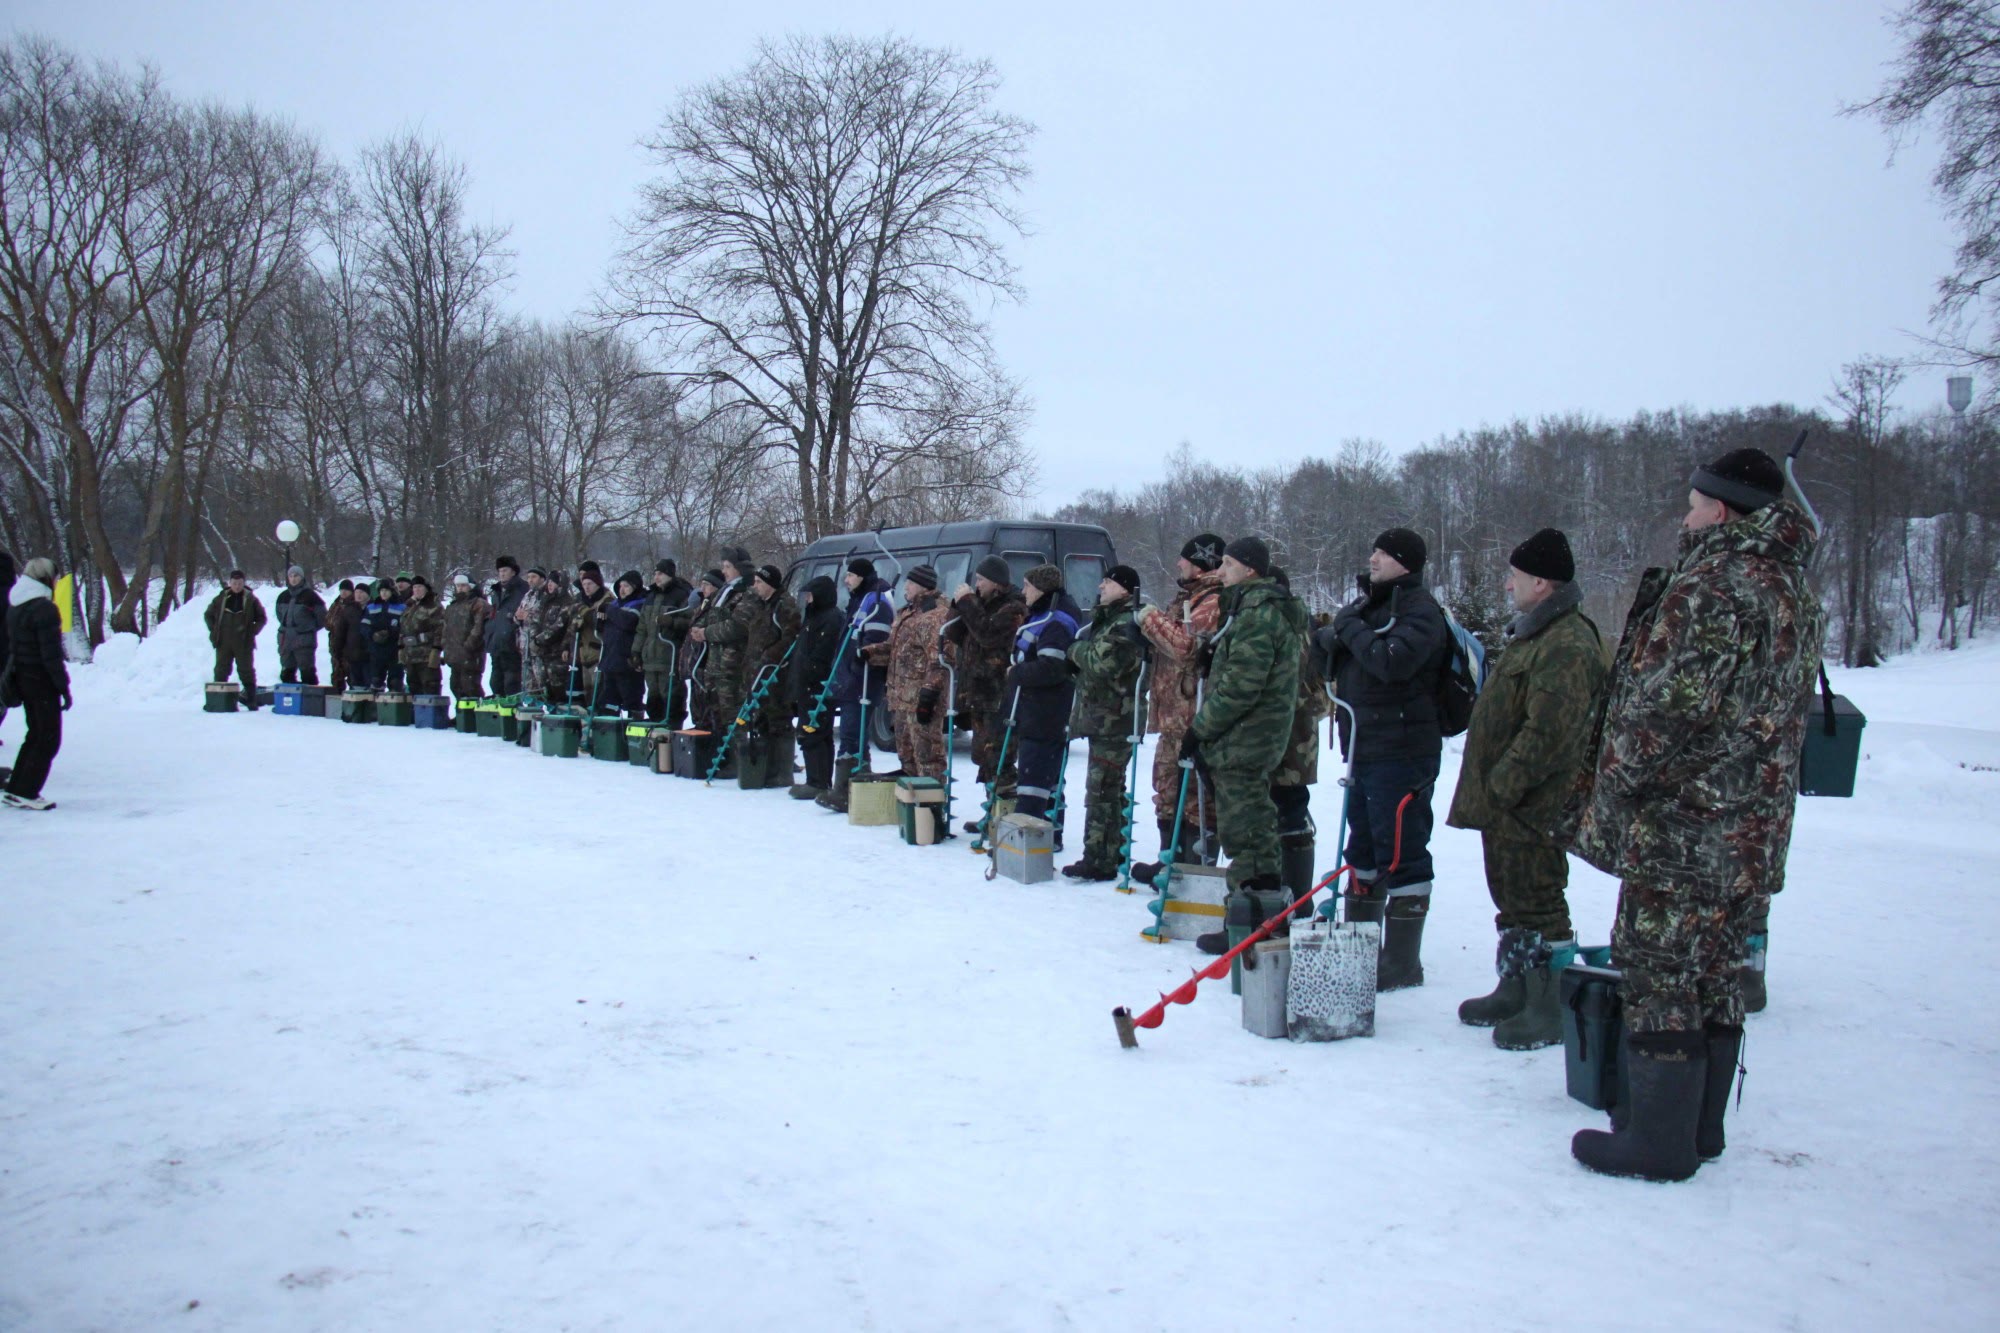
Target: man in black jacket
{"type": "Point", "coordinates": [503, 644]}
{"type": "Point", "coordinates": [811, 665]}
{"type": "Point", "coordinates": [301, 613]}
{"type": "Point", "coordinates": [37, 679]}
{"type": "Point", "coordinates": [1386, 651]}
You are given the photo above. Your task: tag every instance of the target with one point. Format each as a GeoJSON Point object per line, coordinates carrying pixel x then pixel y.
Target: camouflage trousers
{"type": "Point", "coordinates": [989, 732]}
{"type": "Point", "coordinates": [920, 749]}
{"type": "Point", "coordinates": [725, 701]}
{"type": "Point", "coordinates": [465, 682]}
{"type": "Point", "coordinates": [1246, 819]}
{"type": "Point", "coordinates": [665, 697]}
{"type": "Point", "coordinates": [1680, 946]}
{"type": "Point", "coordinates": [534, 676]}
{"type": "Point", "coordinates": [1167, 793]}
{"type": "Point", "coordinates": [1104, 802]}
{"type": "Point", "coordinates": [1526, 879]}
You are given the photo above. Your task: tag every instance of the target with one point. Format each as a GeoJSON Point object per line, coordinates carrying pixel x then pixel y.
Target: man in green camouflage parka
{"type": "Point", "coordinates": [1298, 771]}
{"type": "Point", "coordinates": [1107, 658]}
{"type": "Point", "coordinates": [1522, 752]}
{"type": "Point", "coordinates": [1689, 799]}
{"type": "Point", "coordinates": [1240, 734]}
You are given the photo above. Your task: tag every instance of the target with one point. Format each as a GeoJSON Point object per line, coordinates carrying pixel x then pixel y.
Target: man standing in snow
{"type": "Point", "coordinates": [986, 614]}
{"type": "Point", "coordinates": [1245, 723]}
{"type": "Point", "coordinates": [1107, 657]}
{"type": "Point", "coordinates": [1179, 632]}
{"type": "Point", "coordinates": [663, 627]}
{"type": "Point", "coordinates": [857, 686]}
{"type": "Point", "coordinates": [465, 623]}
{"type": "Point", "coordinates": [503, 644]}
{"type": "Point", "coordinates": [1522, 751]}
{"type": "Point", "coordinates": [1040, 690]}
{"type": "Point", "coordinates": [35, 678]}
{"type": "Point", "coordinates": [1688, 797]}
{"type": "Point", "coordinates": [235, 619]}
{"type": "Point", "coordinates": [341, 620]}
{"type": "Point", "coordinates": [908, 659]}
{"type": "Point", "coordinates": [1386, 650]}
{"type": "Point", "coordinates": [301, 612]}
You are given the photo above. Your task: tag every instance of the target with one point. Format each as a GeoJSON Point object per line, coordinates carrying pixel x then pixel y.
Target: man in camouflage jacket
{"type": "Point", "coordinates": [1178, 632]}
{"type": "Point", "coordinates": [1292, 782]}
{"type": "Point", "coordinates": [547, 632]}
{"type": "Point", "coordinates": [663, 626]}
{"type": "Point", "coordinates": [420, 644]}
{"type": "Point", "coordinates": [1108, 658]}
{"type": "Point", "coordinates": [1688, 798]}
{"type": "Point", "coordinates": [1522, 752]}
{"type": "Point", "coordinates": [1245, 721]}
{"type": "Point", "coordinates": [722, 629]}
{"type": "Point", "coordinates": [988, 614]}
{"type": "Point", "coordinates": [916, 678]}
{"type": "Point", "coordinates": [771, 627]}
{"type": "Point", "coordinates": [465, 637]}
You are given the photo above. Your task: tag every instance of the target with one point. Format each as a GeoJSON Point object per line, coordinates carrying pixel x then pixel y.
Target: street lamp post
{"type": "Point", "coordinates": [1958, 393]}
{"type": "Point", "coordinates": [288, 532]}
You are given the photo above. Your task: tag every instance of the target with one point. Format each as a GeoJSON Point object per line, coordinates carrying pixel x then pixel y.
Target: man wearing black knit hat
{"type": "Point", "coordinates": [1689, 799]}
{"type": "Point", "coordinates": [1107, 656]}
{"type": "Point", "coordinates": [1238, 736]}
{"type": "Point", "coordinates": [663, 627]}
{"type": "Point", "coordinates": [1178, 632]}
{"type": "Point", "coordinates": [1523, 748]}
{"type": "Point", "coordinates": [1386, 650]}
{"type": "Point", "coordinates": [987, 613]}
{"type": "Point", "coordinates": [857, 686]}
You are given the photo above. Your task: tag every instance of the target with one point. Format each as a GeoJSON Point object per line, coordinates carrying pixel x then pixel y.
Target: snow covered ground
{"type": "Point", "coordinates": [316, 1026]}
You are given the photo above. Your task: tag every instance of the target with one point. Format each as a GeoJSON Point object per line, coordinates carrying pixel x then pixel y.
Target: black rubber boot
{"type": "Point", "coordinates": [1665, 1076]}
{"type": "Point", "coordinates": [1725, 1051]}
{"type": "Point", "coordinates": [1511, 959]}
{"type": "Point", "coordinates": [1086, 871]}
{"type": "Point", "coordinates": [1400, 964]}
{"type": "Point", "coordinates": [835, 797]}
{"type": "Point", "coordinates": [1143, 872]}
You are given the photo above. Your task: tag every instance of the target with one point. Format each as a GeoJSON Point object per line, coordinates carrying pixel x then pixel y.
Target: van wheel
{"type": "Point", "coordinates": [882, 730]}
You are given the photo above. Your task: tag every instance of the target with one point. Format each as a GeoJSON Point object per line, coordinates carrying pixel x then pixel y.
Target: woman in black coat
{"type": "Point", "coordinates": [818, 652]}
{"type": "Point", "coordinates": [37, 679]}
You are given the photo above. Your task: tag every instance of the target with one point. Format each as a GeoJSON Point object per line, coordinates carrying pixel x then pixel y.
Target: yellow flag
{"type": "Point", "coordinates": [65, 591]}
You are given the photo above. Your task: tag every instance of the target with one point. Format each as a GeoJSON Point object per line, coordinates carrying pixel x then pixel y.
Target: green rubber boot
{"type": "Point", "coordinates": [1539, 1023]}
{"type": "Point", "coordinates": [1515, 955]}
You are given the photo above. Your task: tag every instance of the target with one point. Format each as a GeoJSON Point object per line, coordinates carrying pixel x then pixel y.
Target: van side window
{"type": "Point", "coordinates": [1020, 562]}
{"type": "Point", "coordinates": [953, 568]}
{"type": "Point", "coordinates": [1081, 575]}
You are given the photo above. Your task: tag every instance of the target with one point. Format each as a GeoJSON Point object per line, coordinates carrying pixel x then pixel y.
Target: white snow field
{"type": "Point", "coordinates": [312, 1026]}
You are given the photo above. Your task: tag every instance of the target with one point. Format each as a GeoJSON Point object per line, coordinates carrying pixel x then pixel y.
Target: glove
{"type": "Point", "coordinates": [67, 701]}
{"type": "Point", "coordinates": [632, 663]}
{"type": "Point", "coordinates": [1190, 747]}
{"type": "Point", "coordinates": [1129, 631]}
{"type": "Point", "coordinates": [926, 707]}
{"type": "Point", "coordinates": [1324, 641]}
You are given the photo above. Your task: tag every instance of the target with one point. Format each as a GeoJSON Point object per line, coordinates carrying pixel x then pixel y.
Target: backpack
{"type": "Point", "coordinates": [1463, 676]}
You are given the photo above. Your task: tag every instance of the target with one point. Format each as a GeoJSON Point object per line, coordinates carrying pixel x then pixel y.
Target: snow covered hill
{"type": "Point", "coordinates": [317, 1026]}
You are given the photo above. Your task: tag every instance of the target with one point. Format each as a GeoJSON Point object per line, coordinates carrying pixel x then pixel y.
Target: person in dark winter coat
{"type": "Point", "coordinates": [909, 658]}
{"type": "Point", "coordinates": [663, 625]}
{"type": "Point", "coordinates": [341, 619]}
{"type": "Point", "coordinates": [7, 577]}
{"type": "Point", "coordinates": [1387, 650]}
{"type": "Point", "coordinates": [36, 680]}
{"type": "Point", "coordinates": [1040, 690]}
{"type": "Point", "coordinates": [987, 615]}
{"type": "Point", "coordinates": [858, 687]}
{"type": "Point", "coordinates": [358, 648]}
{"type": "Point", "coordinates": [1522, 751]}
{"type": "Point", "coordinates": [379, 621]}
{"type": "Point", "coordinates": [235, 619]}
{"type": "Point", "coordinates": [301, 612]}
{"type": "Point", "coordinates": [1107, 658]}
{"type": "Point", "coordinates": [585, 649]}
{"type": "Point", "coordinates": [624, 684]}
{"type": "Point", "coordinates": [810, 669]}
{"type": "Point", "coordinates": [503, 644]}
{"type": "Point", "coordinates": [1687, 794]}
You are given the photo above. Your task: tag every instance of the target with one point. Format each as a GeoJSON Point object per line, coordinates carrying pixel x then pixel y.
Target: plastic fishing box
{"type": "Point", "coordinates": [395, 710]}
{"type": "Point", "coordinates": [762, 761]}
{"type": "Point", "coordinates": [357, 706]}
{"type": "Point", "coordinates": [1593, 1033]}
{"type": "Point", "coordinates": [920, 811]}
{"type": "Point", "coordinates": [871, 800]}
{"type": "Point", "coordinates": [221, 697]}
{"type": "Point", "coordinates": [1832, 754]}
{"type": "Point", "coordinates": [430, 712]}
{"type": "Point", "coordinates": [1024, 849]}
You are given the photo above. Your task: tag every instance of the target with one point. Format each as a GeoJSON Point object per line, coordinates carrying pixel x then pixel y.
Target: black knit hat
{"type": "Point", "coordinates": [666, 567]}
{"type": "Point", "coordinates": [633, 577]}
{"type": "Point", "coordinates": [589, 567]}
{"type": "Point", "coordinates": [1204, 552]}
{"type": "Point", "coordinates": [1124, 576]}
{"type": "Point", "coordinates": [994, 570]}
{"type": "Point", "coordinates": [237, 574]}
{"type": "Point", "coordinates": [1546, 556]}
{"type": "Point", "coordinates": [347, 585]}
{"type": "Point", "coordinates": [862, 566]}
{"type": "Point", "coordinates": [716, 578]}
{"type": "Point", "coordinates": [1405, 547]}
{"type": "Point", "coordinates": [507, 562]}
{"type": "Point", "coordinates": [1250, 551]}
{"type": "Point", "coordinates": [415, 579]}
{"type": "Point", "coordinates": [1745, 480]}
{"type": "Point", "coordinates": [924, 576]}
{"type": "Point", "coordinates": [1045, 577]}
{"type": "Point", "coordinates": [736, 555]}
{"type": "Point", "coordinates": [770, 575]}
{"type": "Point", "coordinates": [538, 572]}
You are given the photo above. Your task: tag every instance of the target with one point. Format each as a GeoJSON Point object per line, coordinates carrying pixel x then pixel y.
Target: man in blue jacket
{"type": "Point", "coordinates": [1040, 689]}
{"type": "Point", "coordinates": [871, 616]}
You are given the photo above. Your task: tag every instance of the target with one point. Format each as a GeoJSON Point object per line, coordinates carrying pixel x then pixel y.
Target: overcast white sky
{"type": "Point", "coordinates": [1259, 228]}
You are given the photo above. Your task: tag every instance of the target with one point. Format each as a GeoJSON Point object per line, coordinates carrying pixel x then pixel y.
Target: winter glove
{"type": "Point", "coordinates": [632, 663]}
{"type": "Point", "coordinates": [67, 701]}
{"type": "Point", "coordinates": [381, 636]}
{"type": "Point", "coordinates": [1324, 641]}
{"type": "Point", "coordinates": [927, 700]}
{"type": "Point", "coordinates": [1129, 631]}
{"type": "Point", "coordinates": [1190, 747]}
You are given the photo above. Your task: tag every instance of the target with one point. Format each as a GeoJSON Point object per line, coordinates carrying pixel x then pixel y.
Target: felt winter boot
{"type": "Point", "coordinates": [1400, 964]}
{"type": "Point", "coordinates": [1666, 1073]}
{"type": "Point", "coordinates": [1511, 959]}
{"type": "Point", "coordinates": [835, 797]}
{"type": "Point", "coordinates": [1725, 1051]}
{"type": "Point", "coordinates": [1539, 1022]}
{"type": "Point", "coordinates": [1144, 871]}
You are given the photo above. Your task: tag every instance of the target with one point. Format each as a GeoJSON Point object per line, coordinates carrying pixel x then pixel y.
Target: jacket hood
{"type": "Point", "coordinates": [27, 590]}
{"type": "Point", "coordinates": [1779, 531]}
{"type": "Point", "coordinates": [821, 595]}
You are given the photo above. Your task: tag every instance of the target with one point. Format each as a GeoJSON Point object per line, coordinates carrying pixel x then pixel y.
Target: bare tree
{"type": "Point", "coordinates": [825, 225]}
